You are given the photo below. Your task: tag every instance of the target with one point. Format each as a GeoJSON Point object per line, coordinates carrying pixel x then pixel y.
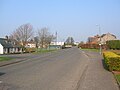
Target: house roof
{"type": "Point", "coordinates": [30, 42]}
{"type": "Point", "coordinates": [5, 43]}
{"type": "Point", "coordinates": [108, 34]}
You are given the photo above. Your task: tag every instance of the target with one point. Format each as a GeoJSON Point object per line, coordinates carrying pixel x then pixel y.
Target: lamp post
{"type": "Point", "coordinates": [100, 44]}
{"type": "Point", "coordinates": [56, 40]}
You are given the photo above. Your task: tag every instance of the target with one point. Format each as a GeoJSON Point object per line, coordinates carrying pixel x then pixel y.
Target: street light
{"type": "Point", "coordinates": [100, 44]}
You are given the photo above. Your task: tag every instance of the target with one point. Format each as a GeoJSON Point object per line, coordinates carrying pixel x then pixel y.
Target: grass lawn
{"type": "Point", "coordinates": [44, 50]}
{"type": "Point", "coordinates": [95, 50]}
{"type": "Point", "coordinates": [5, 58]}
{"type": "Point", "coordinates": [118, 77]}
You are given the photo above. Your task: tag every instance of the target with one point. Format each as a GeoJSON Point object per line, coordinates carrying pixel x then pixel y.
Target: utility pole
{"type": "Point", "coordinates": [100, 44]}
{"type": "Point", "coordinates": [56, 37]}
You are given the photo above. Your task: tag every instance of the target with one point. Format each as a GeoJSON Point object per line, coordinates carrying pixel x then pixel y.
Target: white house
{"type": "Point", "coordinates": [76, 43]}
{"type": "Point", "coordinates": [7, 47]}
{"type": "Point", "coordinates": [30, 45]}
{"type": "Point", "coordinates": [1, 49]}
{"type": "Point", "coordinates": [57, 43]}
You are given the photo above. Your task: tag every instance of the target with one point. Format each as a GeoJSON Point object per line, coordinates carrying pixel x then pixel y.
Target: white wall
{"type": "Point", "coordinates": [30, 45]}
{"type": "Point", "coordinates": [57, 43]}
{"type": "Point", "coordinates": [1, 49]}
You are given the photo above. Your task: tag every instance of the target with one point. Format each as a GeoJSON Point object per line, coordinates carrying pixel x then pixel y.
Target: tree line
{"type": "Point", "coordinates": [25, 33]}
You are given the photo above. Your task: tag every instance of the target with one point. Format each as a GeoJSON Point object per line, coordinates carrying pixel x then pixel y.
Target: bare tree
{"type": "Point", "coordinates": [45, 37]}
{"type": "Point", "coordinates": [36, 40]}
{"type": "Point", "coordinates": [69, 40]}
{"type": "Point", "coordinates": [23, 33]}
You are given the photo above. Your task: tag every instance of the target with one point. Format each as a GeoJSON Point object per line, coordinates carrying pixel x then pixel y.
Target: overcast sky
{"type": "Point", "coordinates": [76, 18]}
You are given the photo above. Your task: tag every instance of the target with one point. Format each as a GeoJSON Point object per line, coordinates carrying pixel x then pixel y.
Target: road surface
{"type": "Point", "coordinates": [69, 69]}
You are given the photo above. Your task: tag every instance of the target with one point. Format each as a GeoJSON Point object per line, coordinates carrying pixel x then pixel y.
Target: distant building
{"type": "Point", "coordinates": [30, 45]}
{"type": "Point", "coordinates": [104, 38]}
{"type": "Point", "coordinates": [107, 37]}
{"type": "Point", "coordinates": [76, 43]}
{"type": "Point", "coordinates": [93, 40]}
{"type": "Point", "coordinates": [57, 43]}
{"type": "Point", "coordinates": [7, 47]}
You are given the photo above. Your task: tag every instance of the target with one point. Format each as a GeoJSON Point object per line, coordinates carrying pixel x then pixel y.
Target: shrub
{"type": "Point", "coordinates": [112, 61]}
{"type": "Point", "coordinates": [113, 44]}
{"type": "Point", "coordinates": [28, 50]}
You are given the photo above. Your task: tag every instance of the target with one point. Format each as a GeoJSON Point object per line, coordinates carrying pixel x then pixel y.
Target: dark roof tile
{"type": "Point", "coordinates": [5, 43]}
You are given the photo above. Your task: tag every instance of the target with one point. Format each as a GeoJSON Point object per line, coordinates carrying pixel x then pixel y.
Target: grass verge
{"type": "Point", "coordinates": [95, 50]}
{"type": "Point", "coordinates": [118, 78]}
{"type": "Point", "coordinates": [44, 51]}
{"type": "Point", "coordinates": [5, 58]}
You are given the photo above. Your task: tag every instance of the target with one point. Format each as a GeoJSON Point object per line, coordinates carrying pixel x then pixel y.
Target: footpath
{"type": "Point", "coordinates": [96, 77]}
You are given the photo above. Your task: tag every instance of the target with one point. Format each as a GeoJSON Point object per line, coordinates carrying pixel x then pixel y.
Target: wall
{"type": "Point", "coordinates": [1, 49]}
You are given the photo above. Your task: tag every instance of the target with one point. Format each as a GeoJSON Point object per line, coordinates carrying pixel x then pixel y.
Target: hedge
{"type": "Point", "coordinates": [112, 61]}
{"type": "Point", "coordinates": [113, 44]}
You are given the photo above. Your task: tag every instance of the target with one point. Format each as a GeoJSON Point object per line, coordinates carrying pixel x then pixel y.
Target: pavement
{"type": "Point", "coordinates": [69, 69]}
{"type": "Point", "coordinates": [97, 77]}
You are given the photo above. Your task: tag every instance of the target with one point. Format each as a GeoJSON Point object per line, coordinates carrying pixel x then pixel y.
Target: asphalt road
{"type": "Point", "coordinates": [67, 69]}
